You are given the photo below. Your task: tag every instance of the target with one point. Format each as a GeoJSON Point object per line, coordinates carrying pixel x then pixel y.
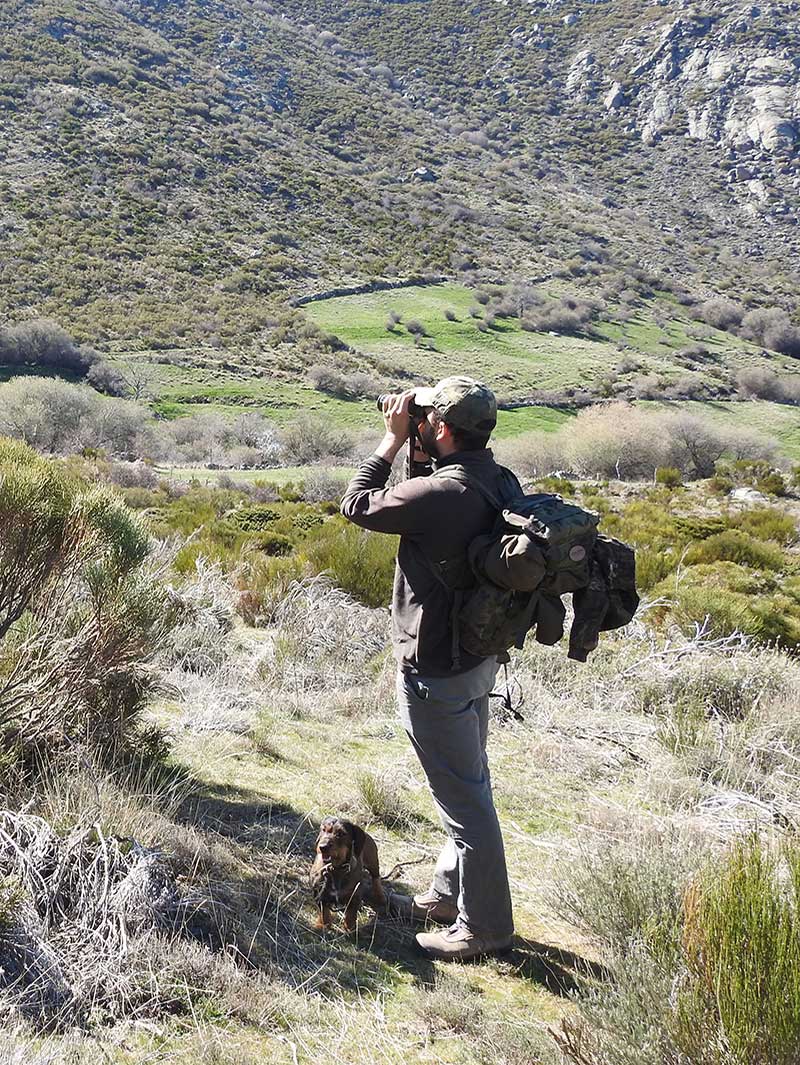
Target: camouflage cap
{"type": "Point", "coordinates": [462, 402]}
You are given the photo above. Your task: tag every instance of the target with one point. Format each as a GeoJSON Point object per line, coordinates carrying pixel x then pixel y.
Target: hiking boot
{"type": "Point", "coordinates": [458, 943]}
{"type": "Point", "coordinates": [421, 908]}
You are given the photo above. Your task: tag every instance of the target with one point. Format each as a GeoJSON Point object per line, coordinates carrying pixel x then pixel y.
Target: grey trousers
{"type": "Point", "coordinates": [447, 719]}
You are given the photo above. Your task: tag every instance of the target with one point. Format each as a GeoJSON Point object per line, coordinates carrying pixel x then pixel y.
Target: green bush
{"type": "Point", "coordinates": [273, 543]}
{"type": "Point", "coordinates": [767, 523]}
{"type": "Point", "coordinates": [758, 474]}
{"type": "Point", "coordinates": [255, 518]}
{"type": "Point", "coordinates": [360, 562]}
{"type": "Point", "coordinates": [741, 941]}
{"type": "Point", "coordinates": [80, 613]}
{"type": "Point", "coordinates": [706, 967]}
{"type": "Point", "coordinates": [558, 485]}
{"type": "Point", "coordinates": [733, 599]}
{"type": "Point", "coordinates": [734, 545]}
{"type": "Point", "coordinates": [669, 476]}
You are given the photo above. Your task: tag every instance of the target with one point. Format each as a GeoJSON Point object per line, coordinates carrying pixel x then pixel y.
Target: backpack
{"type": "Point", "coordinates": [540, 548]}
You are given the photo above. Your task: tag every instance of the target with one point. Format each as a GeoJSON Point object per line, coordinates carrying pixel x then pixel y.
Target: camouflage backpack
{"type": "Point", "coordinates": [540, 548]}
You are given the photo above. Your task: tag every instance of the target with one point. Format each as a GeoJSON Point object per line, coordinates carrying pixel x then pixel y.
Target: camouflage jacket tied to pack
{"type": "Point", "coordinates": [540, 549]}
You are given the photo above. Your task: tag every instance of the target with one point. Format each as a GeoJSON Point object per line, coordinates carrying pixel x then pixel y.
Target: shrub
{"type": "Point", "coordinates": [668, 476]}
{"type": "Point", "coordinates": [705, 965]}
{"type": "Point", "coordinates": [767, 523]}
{"type": "Point", "coordinates": [450, 315]}
{"type": "Point", "coordinates": [559, 485]}
{"type": "Point", "coordinates": [722, 313]}
{"type": "Point", "coordinates": [80, 614]}
{"type": "Point", "coordinates": [772, 327]}
{"type": "Point", "coordinates": [308, 439]}
{"type": "Point", "coordinates": [262, 581]}
{"type": "Point", "coordinates": [759, 474]}
{"type": "Point", "coordinates": [255, 518]}
{"type": "Point", "coordinates": [272, 543]}
{"type": "Point", "coordinates": [733, 599]}
{"type": "Point", "coordinates": [532, 454]}
{"type": "Point", "coordinates": [765, 384]}
{"type": "Point", "coordinates": [734, 545]}
{"type": "Point", "coordinates": [360, 562]}
{"type": "Point", "coordinates": [616, 441]}
{"type": "Point", "coordinates": [741, 942]}
{"type": "Point", "coordinates": [416, 328]}
{"type": "Point", "coordinates": [42, 342]}
{"type": "Point", "coordinates": [57, 417]}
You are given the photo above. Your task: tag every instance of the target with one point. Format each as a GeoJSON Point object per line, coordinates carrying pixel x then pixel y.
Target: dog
{"type": "Point", "coordinates": [345, 872]}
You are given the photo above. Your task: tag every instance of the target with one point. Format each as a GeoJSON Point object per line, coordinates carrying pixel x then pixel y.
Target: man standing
{"type": "Point", "coordinates": [443, 692]}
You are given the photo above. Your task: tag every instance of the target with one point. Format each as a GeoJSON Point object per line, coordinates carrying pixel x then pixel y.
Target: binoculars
{"type": "Point", "coordinates": [415, 411]}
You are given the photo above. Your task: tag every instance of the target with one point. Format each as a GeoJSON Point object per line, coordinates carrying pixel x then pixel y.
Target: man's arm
{"type": "Point", "coordinates": [367, 502]}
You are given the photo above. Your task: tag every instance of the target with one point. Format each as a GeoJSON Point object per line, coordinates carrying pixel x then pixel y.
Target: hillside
{"type": "Point", "coordinates": [175, 173]}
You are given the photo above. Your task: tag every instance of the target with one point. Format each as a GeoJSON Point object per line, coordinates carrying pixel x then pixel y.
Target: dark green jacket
{"type": "Point", "coordinates": [436, 519]}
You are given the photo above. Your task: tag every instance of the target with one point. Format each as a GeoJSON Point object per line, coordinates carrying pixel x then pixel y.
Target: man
{"type": "Point", "coordinates": [443, 692]}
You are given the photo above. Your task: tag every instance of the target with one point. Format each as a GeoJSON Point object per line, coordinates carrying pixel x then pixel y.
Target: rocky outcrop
{"type": "Point", "coordinates": [584, 76]}
{"type": "Point", "coordinates": [727, 78]}
{"type": "Point", "coordinates": [717, 79]}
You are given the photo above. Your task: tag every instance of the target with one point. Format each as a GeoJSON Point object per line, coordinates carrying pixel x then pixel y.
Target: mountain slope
{"type": "Point", "coordinates": [174, 173]}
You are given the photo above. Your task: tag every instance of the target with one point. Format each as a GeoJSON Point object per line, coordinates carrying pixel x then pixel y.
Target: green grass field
{"type": "Point", "coordinates": [512, 361]}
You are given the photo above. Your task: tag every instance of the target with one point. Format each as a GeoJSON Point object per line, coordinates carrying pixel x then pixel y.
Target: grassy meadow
{"type": "Point", "coordinates": [513, 361]}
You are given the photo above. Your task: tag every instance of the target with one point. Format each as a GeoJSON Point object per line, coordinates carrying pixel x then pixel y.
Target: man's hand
{"type": "Point", "coordinates": [396, 420]}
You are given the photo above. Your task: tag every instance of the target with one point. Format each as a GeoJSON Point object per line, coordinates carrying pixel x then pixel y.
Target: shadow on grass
{"type": "Point", "coordinates": [274, 909]}
{"type": "Point", "coordinates": [562, 972]}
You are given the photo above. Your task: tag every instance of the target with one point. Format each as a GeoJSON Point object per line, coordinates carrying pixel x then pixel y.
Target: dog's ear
{"type": "Point", "coordinates": [359, 837]}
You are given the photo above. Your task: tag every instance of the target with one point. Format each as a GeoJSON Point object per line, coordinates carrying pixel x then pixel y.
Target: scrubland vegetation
{"type": "Point", "coordinates": [194, 676]}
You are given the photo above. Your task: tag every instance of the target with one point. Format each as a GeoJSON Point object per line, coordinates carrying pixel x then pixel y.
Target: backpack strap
{"type": "Point", "coordinates": [457, 472]}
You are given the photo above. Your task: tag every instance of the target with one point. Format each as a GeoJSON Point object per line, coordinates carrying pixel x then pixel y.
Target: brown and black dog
{"type": "Point", "coordinates": [345, 871]}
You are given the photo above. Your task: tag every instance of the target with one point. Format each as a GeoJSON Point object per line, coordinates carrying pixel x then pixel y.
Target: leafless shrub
{"type": "Point", "coordinates": [532, 455]}
{"type": "Point", "coordinates": [58, 418]}
{"type": "Point", "coordinates": [42, 342]}
{"type": "Point", "coordinates": [133, 475]}
{"type": "Point", "coordinates": [308, 439]}
{"type": "Point", "coordinates": [324, 637]}
{"type": "Point", "coordinates": [204, 609]}
{"type": "Point", "coordinates": [324, 486]}
{"type": "Point", "coordinates": [344, 385]}
{"type": "Point", "coordinates": [722, 313]}
{"type": "Point", "coordinates": [82, 898]}
{"type": "Point", "coordinates": [772, 327]}
{"type": "Point", "coordinates": [760, 383]}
